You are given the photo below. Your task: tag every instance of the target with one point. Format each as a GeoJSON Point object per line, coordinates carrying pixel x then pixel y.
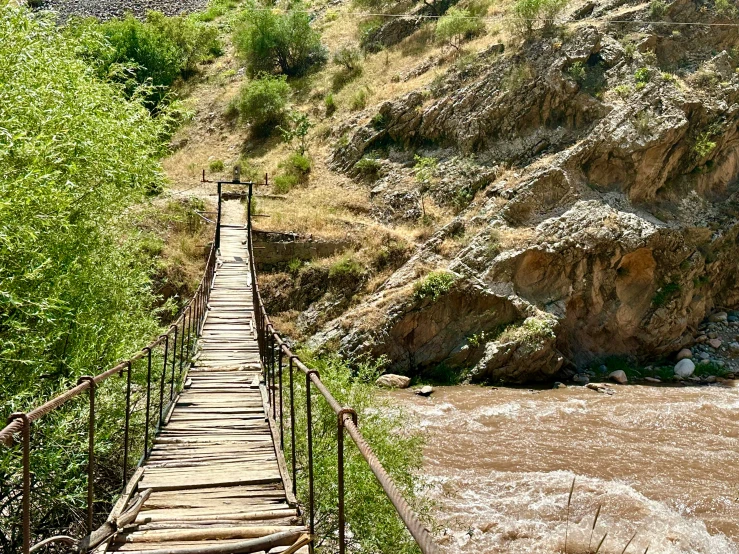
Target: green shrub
{"type": "Point", "coordinates": [622, 90]}
{"type": "Point", "coordinates": [282, 184]}
{"type": "Point", "coordinates": [369, 167]}
{"type": "Point", "coordinates": [295, 133]}
{"type": "Point", "coordinates": [371, 517]}
{"type": "Point", "coordinates": [270, 40]}
{"type": "Point", "coordinates": [156, 51]}
{"type": "Point", "coordinates": [263, 102]}
{"type": "Point", "coordinates": [348, 57]}
{"type": "Point", "coordinates": [726, 8]}
{"type": "Point", "coordinates": [529, 12]}
{"type": "Point", "coordinates": [330, 105]}
{"type": "Point", "coordinates": [77, 157]}
{"type": "Point", "coordinates": [657, 8]}
{"type": "Point", "coordinates": [215, 9]}
{"type": "Point", "coordinates": [642, 75]}
{"type": "Point", "coordinates": [703, 145]}
{"type": "Point", "coordinates": [343, 77]}
{"type": "Point", "coordinates": [434, 285]}
{"type": "Point", "coordinates": [346, 271]}
{"type": "Point", "coordinates": [216, 166]}
{"type": "Point", "coordinates": [360, 99]}
{"type": "Point", "coordinates": [425, 168]}
{"type": "Point", "coordinates": [664, 293]}
{"type": "Point", "coordinates": [457, 25]}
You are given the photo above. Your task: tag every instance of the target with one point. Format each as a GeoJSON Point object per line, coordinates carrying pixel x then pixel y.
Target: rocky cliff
{"type": "Point", "coordinates": [594, 171]}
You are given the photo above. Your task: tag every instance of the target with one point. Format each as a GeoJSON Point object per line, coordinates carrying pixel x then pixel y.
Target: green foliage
{"type": "Point", "coordinates": [263, 102]}
{"type": "Point", "coordinates": [425, 169]}
{"type": "Point", "coordinates": [531, 332]}
{"type": "Point", "coordinates": [294, 171]}
{"type": "Point", "coordinates": [374, 524]}
{"type": "Point", "coordinates": [643, 122]}
{"type": "Point", "coordinates": [348, 57]}
{"type": "Point", "coordinates": [330, 105]}
{"type": "Point", "coordinates": [624, 91]}
{"type": "Point", "coordinates": [726, 8]}
{"type": "Point", "coordinates": [297, 131]}
{"type": "Point", "coordinates": [642, 75]}
{"type": "Point", "coordinates": [216, 166]}
{"type": "Point", "coordinates": [282, 184]}
{"type": "Point", "coordinates": [591, 78]}
{"type": "Point", "coordinates": [664, 293]}
{"type": "Point", "coordinates": [346, 271]}
{"type": "Point", "coordinates": [215, 9]}
{"type": "Point", "coordinates": [270, 40]}
{"type": "Point", "coordinates": [457, 25]}
{"type": "Point", "coordinates": [368, 167]}
{"type": "Point", "coordinates": [435, 285]}
{"type": "Point", "coordinates": [703, 145]}
{"type": "Point", "coordinates": [295, 265]}
{"type": "Point", "coordinates": [360, 99]}
{"type": "Point", "coordinates": [657, 8]}
{"type": "Point", "coordinates": [76, 155]}
{"type": "Point", "coordinates": [530, 12]}
{"type": "Point", "coordinates": [155, 52]}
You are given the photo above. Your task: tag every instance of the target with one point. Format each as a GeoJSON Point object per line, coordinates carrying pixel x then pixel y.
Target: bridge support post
{"type": "Point", "coordinates": [218, 219]}
{"type": "Point", "coordinates": [90, 451]}
{"type": "Point", "coordinates": [343, 413]}
{"type": "Point", "coordinates": [26, 432]}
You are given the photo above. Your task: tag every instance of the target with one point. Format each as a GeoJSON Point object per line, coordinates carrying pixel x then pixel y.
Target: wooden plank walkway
{"type": "Point", "coordinates": [214, 472]}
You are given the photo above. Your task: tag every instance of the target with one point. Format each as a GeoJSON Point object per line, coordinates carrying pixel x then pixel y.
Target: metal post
{"type": "Point", "coordinates": [182, 340]}
{"type": "Point", "coordinates": [26, 478]}
{"type": "Point", "coordinates": [340, 440]}
{"type": "Point", "coordinates": [128, 423]}
{"type": "Point", "coordinates": [163, 379]}
{"type": "Point", "coordinates": [148, 402]}
{"type": "Point", "coordinates": [90, 452]}
{"type": "Point", "coordinates": [309, 413]}
{"type": "Point", "coordinates": [282, 425]}
{"type": "Point", "coordinates": [292, 423]}
{"type": "Point", "coordinates": [218, 219]}
{"type": "Point", "coordinates": [174, 363]}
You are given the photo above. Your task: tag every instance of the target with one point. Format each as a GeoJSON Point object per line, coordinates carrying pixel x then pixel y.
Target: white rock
{"type": "Point", "coordinates": [393, 381]}
{"type": "Point", "coordinates": [619, 376]}
{"type": "Point", "coordinates": [684, 368]}
{"type": "Point", "coordinates": [425, 391]}
{"type": "Point", "coordinates": [652, 379]}
{"type": "Point", "coordinates": [684, 353]}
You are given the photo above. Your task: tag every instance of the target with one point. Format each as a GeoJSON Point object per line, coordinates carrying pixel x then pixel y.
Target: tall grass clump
{"type": "Point", "coordinates": [271, 41]}
{"type": "Point", "coordinates": [371, 519]}
{"type": "Point", "coordinates": [76, 155]}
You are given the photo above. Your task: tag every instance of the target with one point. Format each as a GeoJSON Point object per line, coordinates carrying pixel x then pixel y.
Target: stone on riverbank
{"type": "Point", "coordinates": [392, 381]}
{"type": "Point", "coordinates": [684, 368]}
{"type": "Point", "coordinates": [684, 353]}
{"type": "Point", "coordinates": [425, 391]}
{"type": "Point", "coordinates": [619, 376]}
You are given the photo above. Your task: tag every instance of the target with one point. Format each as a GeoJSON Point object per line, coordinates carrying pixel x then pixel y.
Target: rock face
{"type": "Point", "coordinates": [392, 381]}
{"type": "Point", "coordinates": [617, 233]}
{"type": "Point", "coordinates": [107, 9]}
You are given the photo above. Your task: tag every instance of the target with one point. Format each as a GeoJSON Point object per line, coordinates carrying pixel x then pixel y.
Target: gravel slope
{"type": "Point", "coordinates": [106, 9]}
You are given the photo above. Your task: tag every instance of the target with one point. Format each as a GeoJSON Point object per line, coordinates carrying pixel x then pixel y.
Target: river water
{"type": "Point", "coordinates": [661, 461]}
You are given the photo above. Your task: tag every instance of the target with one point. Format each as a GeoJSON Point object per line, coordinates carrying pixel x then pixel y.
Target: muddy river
{"type": "Point", "coordinates": [662, 462]}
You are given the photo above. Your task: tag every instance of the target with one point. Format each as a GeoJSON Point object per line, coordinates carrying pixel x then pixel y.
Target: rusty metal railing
{"type": "Point", "coordinates": [274, 353]}
{"type": "Point", "coordinates": [177, 345]}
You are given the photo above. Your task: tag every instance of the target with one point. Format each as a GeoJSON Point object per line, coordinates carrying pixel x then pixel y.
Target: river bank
{"type": "Point", "coordinates": [660, 461]}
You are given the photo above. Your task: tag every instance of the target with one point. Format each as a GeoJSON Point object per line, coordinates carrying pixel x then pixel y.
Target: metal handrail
{"type": "Point", "coordinates": [270, 344]}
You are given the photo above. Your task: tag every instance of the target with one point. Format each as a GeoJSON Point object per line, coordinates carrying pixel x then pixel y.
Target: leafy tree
{"type": "Point", "coordinates": [263, 102]}
{"type": "Point", "coordinates": [531, 12]}
{"type": "Point", "coordinates": [297, 130]}
{"type": "Point", "coordinates": [270, 40]}
{"type": "Point", "coordinates": [76, 156]}
{"type": "Point", "coordinates": [457, 25]}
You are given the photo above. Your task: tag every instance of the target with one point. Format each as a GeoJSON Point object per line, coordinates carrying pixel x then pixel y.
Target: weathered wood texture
{"type": "Point", "coordinates": [213, 473]}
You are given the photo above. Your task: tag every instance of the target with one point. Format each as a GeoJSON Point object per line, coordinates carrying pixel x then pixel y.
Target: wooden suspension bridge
{"type": "Point", "coordinates": [213, 478]}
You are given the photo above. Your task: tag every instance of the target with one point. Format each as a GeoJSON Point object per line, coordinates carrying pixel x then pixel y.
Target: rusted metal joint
{"type": "Point", "coordinates": [126, 363]}
{"type": "Point", "coordinates": [312, 372]}
{"type": "Point", "coordinates": [87, 379]}
{"type": "Point", "coordinates": [23, 416]}
{"type": "Point", "coordinates": [344, 412]}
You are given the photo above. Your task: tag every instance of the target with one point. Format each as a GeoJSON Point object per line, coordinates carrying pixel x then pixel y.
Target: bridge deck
{"type": "Point", "coordinates": [214, 471]}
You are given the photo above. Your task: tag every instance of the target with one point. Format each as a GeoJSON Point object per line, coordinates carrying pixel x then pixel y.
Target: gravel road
{"type": "Point", "coordinates": [106, 9]}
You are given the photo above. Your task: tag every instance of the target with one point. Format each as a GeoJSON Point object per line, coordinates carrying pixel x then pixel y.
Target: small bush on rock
{"type": "Point", "coordinates": [434, 285]}
{"type": "Point", "coordinates": [458, 25]}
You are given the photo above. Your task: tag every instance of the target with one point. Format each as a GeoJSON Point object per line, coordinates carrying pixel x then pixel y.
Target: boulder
{"type": "Point", "coordinates": [684, 368]}
{"type": "Point", "coordinates": [392, 381]}
{"type": "Point", "coordinates": [581, 378]}
{"type": "Point", "coordinates": [559, 385]}
{"type": "Point", "coordinates": [684, 353]}
{"type": "Point", "coordinates": [425, 391]}
{"type": "Point", "coordinates": [718, 317]}
{"type": "Point", "coordinates": [619, 376]}
{"type": "Point", "coordinates": [715, 343]}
